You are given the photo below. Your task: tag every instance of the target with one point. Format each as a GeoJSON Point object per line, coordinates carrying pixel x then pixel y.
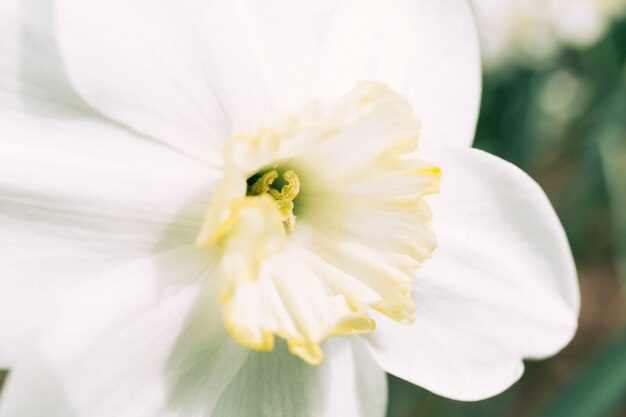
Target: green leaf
{"type": "Point", "coordinates": [597, 390]}
{"type": "Point", "coordinates": [613, 152]}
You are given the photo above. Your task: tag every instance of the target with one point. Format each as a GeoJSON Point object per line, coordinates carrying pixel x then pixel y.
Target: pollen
{"type": "Point", "coordinates": [266, 184]}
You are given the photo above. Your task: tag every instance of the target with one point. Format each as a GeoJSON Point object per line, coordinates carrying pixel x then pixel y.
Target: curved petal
{"type": "Point", "coordinates": [501, 285]}
{"type": "Point", "coordinates": [78, 195]}
{"type": "Point", "coordinates": [32, 77]}
{"type": "Point", "coordinates": [127, 346]}
{"type": "Point", "coordinates": [168, 71]}
{"type": "Point", "coordinates": [78, 201]}
{"type": "Point", "coordinates": [181, 73]}
{"type": "Point", "coordinates": [426, 50]}
{"type": "Point", "coordinates": [349, 383]}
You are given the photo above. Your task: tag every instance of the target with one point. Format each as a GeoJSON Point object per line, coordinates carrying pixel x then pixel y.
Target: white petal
{"type": "Point", "coordinates": [181, 73]}
{"type": "Point", "coordinates": [501, 285]}
{"type": "Point", "coordinates": [348, 384]}
{"type": "Point", "coordinates": [32, 77]}
{"type": "Point", "coordinates": [77, 201]}
{"type": "Point", "coordinates": [427, 50]}
{"type": "Point", "coordinates": [288, 299]}
{"type": "Point", "coordinates": [127, 345]}
{"type": "Point", "coordinates": [191, 74]}
{"type": "Point", "coordinates": [78, 195]}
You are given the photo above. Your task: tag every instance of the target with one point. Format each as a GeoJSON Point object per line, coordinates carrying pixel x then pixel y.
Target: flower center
{"type": "Point", "coordinates": [363, 225]}
{"type": "Point", "coordinates": [283, 190]}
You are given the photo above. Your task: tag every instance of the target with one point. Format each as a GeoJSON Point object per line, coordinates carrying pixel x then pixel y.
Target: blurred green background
{"type": "Point", "coordinates": [564, 123]}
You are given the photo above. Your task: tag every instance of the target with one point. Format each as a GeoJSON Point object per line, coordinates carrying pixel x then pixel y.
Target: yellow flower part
{"type": "Point", "coordinates": [319, 220]}
{"type": "Point", "coordinates": [284, 198]}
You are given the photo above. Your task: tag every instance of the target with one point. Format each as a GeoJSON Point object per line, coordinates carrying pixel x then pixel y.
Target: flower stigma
{"type": "Point", "coordinates": [319, 220]}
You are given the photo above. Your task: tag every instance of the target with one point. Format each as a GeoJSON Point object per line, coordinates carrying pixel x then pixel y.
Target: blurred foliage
{"type": "Point", "coordinates": [564, 124]}
{"type": "Point", "coordinates": [599, 388]}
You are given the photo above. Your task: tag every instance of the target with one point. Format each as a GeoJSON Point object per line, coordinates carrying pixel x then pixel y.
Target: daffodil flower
{"type": "Point", "coordinates": [256, 208]}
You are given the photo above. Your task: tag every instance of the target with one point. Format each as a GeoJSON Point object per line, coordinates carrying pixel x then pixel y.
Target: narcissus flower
{"type": "Point", "coordinates": [257, 208]}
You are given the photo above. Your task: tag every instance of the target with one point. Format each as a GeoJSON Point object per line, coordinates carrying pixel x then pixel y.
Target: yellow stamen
{"type": "Point", "coordinates": [290, 190]}
{"type": "Point", "coordinates": [284, 198]}
{"type": "Point", "coordinates": [263, 184]}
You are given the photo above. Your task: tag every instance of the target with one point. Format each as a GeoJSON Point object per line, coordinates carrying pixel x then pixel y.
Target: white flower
{"type": "Point", "coordinates": [185, 183]}
{"type": "Point", "coordinates": [531, 32]}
